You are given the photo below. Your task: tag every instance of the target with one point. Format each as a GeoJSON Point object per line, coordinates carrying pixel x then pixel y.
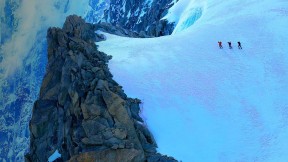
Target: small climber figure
{"type": "Point", "coordinates": [230, 45]}
{"type": "Point", "coordinates": [239, 45]}
{"type": "Point", "coordinates": [220, 44]}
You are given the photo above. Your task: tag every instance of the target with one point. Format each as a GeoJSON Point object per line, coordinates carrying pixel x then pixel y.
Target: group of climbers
{"type": "Point", "coordinates": [229, 44]}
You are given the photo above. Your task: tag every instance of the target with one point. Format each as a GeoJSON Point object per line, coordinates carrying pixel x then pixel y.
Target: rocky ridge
{"type": "Point", "coordinates": [81, 111]}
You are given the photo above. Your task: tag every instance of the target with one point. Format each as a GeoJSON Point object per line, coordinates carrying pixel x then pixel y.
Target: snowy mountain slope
{"type": "Point", "coordinates": [207, 104]}
{"type": "Point", "coordinates": [97, 9]}
{"type": "Point", "coordinates": [140, 16]}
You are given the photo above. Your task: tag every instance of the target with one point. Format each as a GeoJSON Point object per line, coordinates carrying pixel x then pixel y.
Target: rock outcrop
{"type": "Point", "coordinates": [81, 111]}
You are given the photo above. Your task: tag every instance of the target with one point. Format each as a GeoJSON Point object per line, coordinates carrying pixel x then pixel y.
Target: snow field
{"type": "Point", "coordinates": [203, 103]}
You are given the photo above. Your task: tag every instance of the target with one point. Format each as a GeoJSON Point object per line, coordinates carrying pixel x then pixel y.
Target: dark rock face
{"type": "Point", "coordinates": [140, 16]}
{"type": "Point", "coordinates": [81, 111]}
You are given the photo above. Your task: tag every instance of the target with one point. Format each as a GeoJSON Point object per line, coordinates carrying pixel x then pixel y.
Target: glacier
{"type": "Point", "coordinates": [205, 104]}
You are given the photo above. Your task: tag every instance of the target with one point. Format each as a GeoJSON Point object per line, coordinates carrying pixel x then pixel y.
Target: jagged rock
{"type": "Point", "coordinates": [120, 133]}
{"type": "Point", "coordinates": [74, 96]}
{"type": "Point", "coordinates": [93, 106]}
{"type": "Point", "coordinates": [135, 109]}
{"type": "Point", "coordinates": [100, 74]}
{"type": "Point", "coordinates": [115, 106]}
{"type": "Point", "coordinates": [76, 28]}
{"type": "Point", "coordinates": [146, 138]}
{"type": "Point", "coordinates": [109, 156]}
{"type": "Point", "coordinates": [81, 111]}
{"type": "Point", "coordinates": [107, 134]}
{"type": "Point", "coordinates": [93, 140]}
{"type": "Point", "coordinates": [102, 85]}
{"type": "Point", "coordinates": [114, 142]}
{"type": "Point", "coordinates": [91, 110]}
{"type": "Point", "coordinates": [95, 69]}
{"type": "Point", "coordinates": [159, 158]}
{"type": "Point", "coordinates": [93, 127]}
{"type": "Point", "coordinates": [62, 97]}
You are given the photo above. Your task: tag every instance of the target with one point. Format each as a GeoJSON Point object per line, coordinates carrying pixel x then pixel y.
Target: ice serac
{"type": "Point", "coordinates": [81, 111]}
{"type": "Point", "coordinates": [140, 16]}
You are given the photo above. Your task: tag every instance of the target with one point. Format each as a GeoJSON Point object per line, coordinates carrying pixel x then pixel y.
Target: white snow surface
{"type": "Point", "coordinates": [203, 103]}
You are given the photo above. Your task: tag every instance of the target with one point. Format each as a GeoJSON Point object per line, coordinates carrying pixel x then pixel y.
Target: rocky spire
{"type": "Point", "coordinates": [81, 111]}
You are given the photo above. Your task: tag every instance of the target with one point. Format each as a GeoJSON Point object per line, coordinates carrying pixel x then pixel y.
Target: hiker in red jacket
{"type": "Point", "coordinates": [220, 44]}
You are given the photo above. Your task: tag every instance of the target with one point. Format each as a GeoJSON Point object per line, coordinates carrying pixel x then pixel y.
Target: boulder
{"type": "Point", "coordinates": [102, 85]}
{"type": "Point", "coordinates": [120, 133]}
{"type": "Point", "coordinates": [93, 127]}
{"type": "Point", "coordinates": [93, 140]}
